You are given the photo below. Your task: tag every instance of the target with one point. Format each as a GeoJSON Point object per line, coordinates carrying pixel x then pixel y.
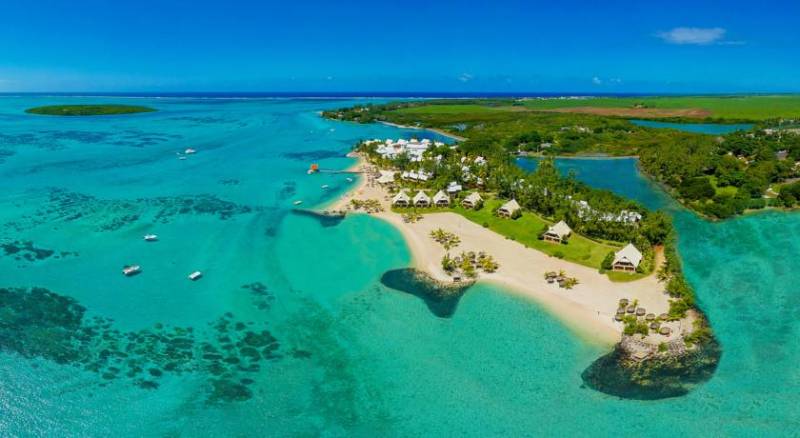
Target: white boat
{"type": "Point", "coordinates": [150, 237]}
{"type": "Point", "coordinates": [349, 179]}
{"type": "Point", "coordinates": [195, 275]}
{"type": "Point", "coordinates": [324, 186]}
{"type": "Point", "coordinates": [189, 151]}
{"type": "Point", "coordinates": [131, 270]}
{"type": "Point", "coordinates": [297, 202]}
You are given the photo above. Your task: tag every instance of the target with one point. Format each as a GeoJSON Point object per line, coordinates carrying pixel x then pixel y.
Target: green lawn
{"type": "Point", "coordinates": [526, 230]}
{"type": "Point", "coordinates": [727, 107]}
{"type": "Point", "coordinates": [624, 277]}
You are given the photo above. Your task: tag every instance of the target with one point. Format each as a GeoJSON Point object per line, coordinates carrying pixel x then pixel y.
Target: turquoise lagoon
{"type": "Point", "coordinates": [347, 356]}
{"type": "Point", "coordinates": [699, 128]}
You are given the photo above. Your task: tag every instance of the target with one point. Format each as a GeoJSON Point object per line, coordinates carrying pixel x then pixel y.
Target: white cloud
{"type": "Point", "coordinates": [693, 35]}
{"type": "Point", "coordinates": [465, 77]}
{"type": "Point", "coordinates": [597, 81]}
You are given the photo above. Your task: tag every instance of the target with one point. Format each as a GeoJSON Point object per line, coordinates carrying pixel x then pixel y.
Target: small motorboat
{"type": "Point", "coordinates": [150, 237]}
{"type": "Point", "coordinates": [131, 270]}
{"type": "Point", "coordinates": [349, 179]}
{"type": "Point", "coordinates": [324, 186]}
{"type": "Point", "coordinates": [195, 275]}
{"type": "Point", "coordinates": [189, 151]}
{"type": "Point", "coordinates": [297, 202]}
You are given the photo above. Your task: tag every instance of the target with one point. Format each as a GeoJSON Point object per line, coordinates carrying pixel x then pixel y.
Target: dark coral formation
{"type": "Point", "coordinates": [39, 323]}
{"type": "Point", "coordinates": [659, 377]}
{"type": "Point", "coordinates": [261, 296]}
{"type": "Point", "coordinates": [442, 300]}
{"type": "Point", "coordinates": [26, 250]}
{"type": "Point", "coordinates": [114, 214]}
{"type": "Point", "coordinates": [53, 139]}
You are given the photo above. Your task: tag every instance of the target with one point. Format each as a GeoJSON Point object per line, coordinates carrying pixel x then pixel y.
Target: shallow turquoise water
{"type": "Point", "coordinates": [700, 128]}
{"type": "Point", "coordinates": [355, 357]}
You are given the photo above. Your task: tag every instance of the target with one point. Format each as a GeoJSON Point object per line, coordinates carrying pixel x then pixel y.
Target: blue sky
{"type": "Point", "coordinates": [298, 45]}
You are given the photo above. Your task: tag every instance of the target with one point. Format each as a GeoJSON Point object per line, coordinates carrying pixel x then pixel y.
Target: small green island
{"type": "Point", "coordinates": [88, 110]}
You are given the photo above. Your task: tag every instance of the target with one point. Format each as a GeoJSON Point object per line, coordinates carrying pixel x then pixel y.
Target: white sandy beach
{"type": "Point", "coordinates": [588, 308]}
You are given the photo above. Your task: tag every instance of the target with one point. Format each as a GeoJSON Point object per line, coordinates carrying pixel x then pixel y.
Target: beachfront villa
{"type": "Point", "coordinates": [387, 177]}
{"type": "Point", "coordinates": [440, 199]}
{"type": "Point", "coordinates": [627, 259]}
{"type": "Point", "coordinates": [557, 233]}
{"type": "Point", "coordinates": [422, 200]}
{"type": "Point", "coordinates": [401, 199]}
{"type": "Point", "coordinates": [509, 209]}
{"type": "Point", "coordinates": [472, 201]}
{"type": "Point", "coordinates": [453, 187]}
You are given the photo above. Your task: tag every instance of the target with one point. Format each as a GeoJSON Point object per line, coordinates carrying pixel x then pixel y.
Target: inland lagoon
{"type": "Point", "coordinates": [303, 325]}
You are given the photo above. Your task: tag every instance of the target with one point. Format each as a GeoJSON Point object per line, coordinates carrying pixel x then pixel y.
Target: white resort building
{"type": "Point", "coordinates": [422, 200]}
{"type": "Point", "coordinates": [508, 209]}
{"type": "Point", "coordinates": [415, 149]}
{"type": "Point", "coordinates": [473, 200]}
{"type": "Point", "coordinates": [440, 199]}
{"type": "Point", "coordinates": [627, 259]}
{"type": "Point", "coordinates": [557, 233]}
{"type": "Point", "coordinates": [453, 187]}
{"type": "Point", "coordinates": [416, 176]}
{"type": "Point", "coordinates": [401, 199]}
{"type": "Point", "coordinates": [387, 177]}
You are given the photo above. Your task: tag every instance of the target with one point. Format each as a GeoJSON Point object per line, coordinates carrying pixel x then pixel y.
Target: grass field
{"type": "Point", "coordinates": [726, 107]}
{"type": "Point", "coordinates": [526, 229]}
{"type": "Point", "coordinates": [88, 110]}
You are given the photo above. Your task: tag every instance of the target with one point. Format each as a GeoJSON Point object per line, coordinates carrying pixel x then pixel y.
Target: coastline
{"type": "Point", "coordinates": [436, 130]}
{"type": "Point", "coordinates": [588, 309]}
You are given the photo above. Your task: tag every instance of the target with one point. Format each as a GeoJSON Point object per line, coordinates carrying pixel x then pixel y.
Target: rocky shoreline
{"type": "Point", "coordinates": [639, 370]}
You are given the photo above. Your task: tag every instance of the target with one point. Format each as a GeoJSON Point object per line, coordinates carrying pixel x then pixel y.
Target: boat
{"type": "Point", "coordinates": [324, 186]}
{"type": "Point", "coordinates": [150, 237]}
{"type": "Point", "coordinates": [313, 168]}
{"type": "Point", "coordinates": [131, 270]}
{"type": "Point", "coordinates": [349, 179]}
{"type": "Point", "coordinates": [189, 151]}
{"type": "Point", "coordinates": [195, 275]}
{"type": "Point", "coordinates": [297, 202]}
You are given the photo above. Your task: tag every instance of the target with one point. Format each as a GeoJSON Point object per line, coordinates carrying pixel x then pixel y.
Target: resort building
{"type": "Point", "coordinates": [401, 199]}
{"type": "Point", "coordinates": [557, 233]}
{"type": "Point", "coordinates": [453, 187]}
{"type": "Point", "coordinates": [415, 149]}
{"type": "Point", "coordinates": [508, 209]}
{"type": "Point", "coordinates": [472, 201]}
{"type": "Point", "coordinates": [416, 176]}
{"type": "Point", "coordinates": [440, 199]}
{"type": "Point", "coordinates": [627, 259]}
{"type": "Point", "coordinates": [387, 177]}
{"type": "Point", "coordinates": [422, 200]}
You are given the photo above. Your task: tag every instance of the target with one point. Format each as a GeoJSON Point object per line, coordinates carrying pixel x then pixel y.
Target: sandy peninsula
{"type": "Point", "coordinates": [588, 308]}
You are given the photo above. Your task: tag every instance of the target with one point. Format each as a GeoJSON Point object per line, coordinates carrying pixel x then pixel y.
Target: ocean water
{"type": "Point", "coordinates": [291, 332]}
{"type": "Point", "coordinates": [699, 128]}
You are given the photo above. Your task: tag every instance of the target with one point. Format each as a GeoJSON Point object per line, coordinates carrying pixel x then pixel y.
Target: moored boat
{"type": "Point", "coordinates": [151, 237]}
{"type": "Point", "coordinates": [131, 270]}
{"type": "Point", "coordinates": [195, 275]}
